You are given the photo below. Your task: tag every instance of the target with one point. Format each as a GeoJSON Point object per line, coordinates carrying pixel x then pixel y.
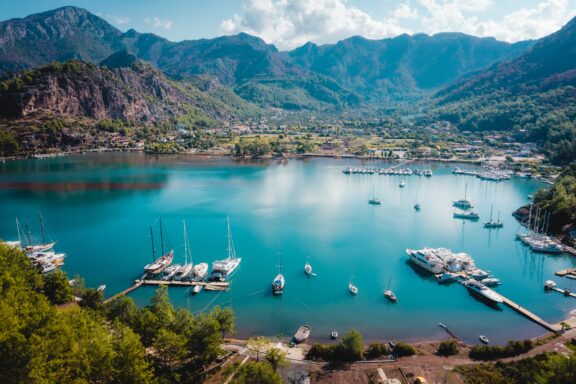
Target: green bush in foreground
{"type": "Point", "coordinates": [513, 348]}
{"type": "Point", "coordinates": [448, 348]}
{"type": "Point", "coordinates": [257, 373]}
{"type": "Point", "coordinates": [376, 350]}
{"type": "Point", "coordinates": [351, 348]}
{"type": "Point", "coordinates": [402, 350]}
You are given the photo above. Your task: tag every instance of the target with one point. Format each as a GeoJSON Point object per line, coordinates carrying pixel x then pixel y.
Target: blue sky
{"type": "Point", "coordinates": [290, 23]}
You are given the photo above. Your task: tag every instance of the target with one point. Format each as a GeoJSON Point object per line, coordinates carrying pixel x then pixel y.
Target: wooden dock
{"type": "Point", "coordinates": [564, 272]}
{"type": "Point", "coordinates": [209, 286]}
{"type": "Point", "coordinates": [531, 316]}
{"type": "Point", "coordinates": [571, 294]}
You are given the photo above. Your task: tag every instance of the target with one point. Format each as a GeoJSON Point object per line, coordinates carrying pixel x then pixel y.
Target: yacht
{"type": "Point", "coordinates": [374, 200]}
{"type": "Point", "coordinates": [101, 288]}
{"type": "Point", "coordinates": [417, 207]}
{"type": "Point", "coordinates": [302, 334]}
{"type": "Point", "coordinates": [463, 203]}
{"type": "Point", "coordinates": [484, 339]}
{"type": "Point", "coordinates": [467, 215]}
{"type": "Point", "coordinates": [185, 271]}
{"type": "Point", "coordinates": [549, 285]}
{"type": "Point", "coordinates": [158, 265]}
{"type": "Point", "coordinates": [478, 273]}
{"type": "Point", "coordinates": [490, 281]}
{"type": "Point", "coordinates": [200, 271]}
{"type": "Point", "coordinates": [426, 259]}
{"type": "Point", "coordinates": [222, 269]}
{"type": "Point", "coordinates": [51, 257]}
{"type": "Point", "coordinates": [352, 288]}
{"type": "Point", "coordinates": [492, 223]}
{"type": "Point", "coordinates": [402, 184]}
{"type": "Point", "coordinates": [43, 246]}
{"type": "Point", "coordinates": [389, 294]}
{"type": "Point", "coordinates": [482, 291]}
{"type": "Point", "coordinates": [46, 267]}
{"type": "Point", "coordinates": [278, 282]}
{"type": "Point", "coordinates": [197, 289]}
{"type": "Point", "coordinates": [171, 271]}
{"type": "Point", "coordinates": [546, 246]}
{"type": "Point", "coordinates": [447, 277]}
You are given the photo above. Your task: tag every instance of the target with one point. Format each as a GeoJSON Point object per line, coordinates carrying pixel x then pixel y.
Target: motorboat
{"type": "Point", "coordinates": [200, 270]}
{"type": "Point", "coordinates": [490, 282]}
{"type": "Point", "coordinates": [426, 259]}
{"type": "Point", "coordinates": [417, 207]}
{"type": "Point", "coordinates": [197, 289]}
{"type": "Point", "coordinates": [171, 271]}
{"type": "Point", "coordinates": [101, 288]}
{"type": "Point", "coordinates": [549, 285]}
{"type": "Point", "coordinates": [483, 291]}
{"type": "Point", "coordinates": [402, 184]}
{"type": "Point", "coordinates": [334, 334]}
{"type": "Point", "coordinates": [302, 334]}
{"type": "Point", "coordinates": [484, 339]}
{"type": "Point", "coordinates": [447, 277]}
{"type": "Point", "coordinates": [478, 274]}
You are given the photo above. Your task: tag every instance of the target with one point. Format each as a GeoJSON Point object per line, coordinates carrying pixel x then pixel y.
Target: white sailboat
{"type": "Point", "coordinates": [464, 203]}
{"type": "Point", "coordinates": [222, 269]}
{"type": "Point", "coordinates": [159, 265]}
{"type": "Point", "coordinates": [279, 281]}
{"type": "Point", "coordinates": [389, 294]}
{"type": "Point", "coordinates": [307, 266]}
{"type": "Point", "coordinates": [374, 200]}
{"type": "Point", "coordinates": [492, 223]}
{"type": "Point", "coordinates": [185, 271]}
{"type": "Point", "coordinates": [351, 287]}
{"type": "Point", "coordinates": [42, 247]}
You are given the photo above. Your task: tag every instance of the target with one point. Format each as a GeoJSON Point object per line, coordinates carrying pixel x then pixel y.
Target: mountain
{"type": "Point", "coordinates": [533, 95]}
{"type": "Point", "coordinates": [311, 77]}
{"type": "Point", "coordinates": [121, 89]}
{"type": "Point", "coordinates": [404, 64]}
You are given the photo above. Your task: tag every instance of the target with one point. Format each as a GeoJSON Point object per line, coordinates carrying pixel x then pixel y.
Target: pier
{"type": "Point", "coordinates": [566, 272]}
{"type": "Point", "coordinates": [530, 316]}
{"type": "Point", "coordinates": [562, 291]}
{"type": "Point", "coordinates": [209, 286]}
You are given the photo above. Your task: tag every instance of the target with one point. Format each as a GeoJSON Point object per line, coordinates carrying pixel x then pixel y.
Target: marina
{"type": "Point", "coordinates": [317, 212]}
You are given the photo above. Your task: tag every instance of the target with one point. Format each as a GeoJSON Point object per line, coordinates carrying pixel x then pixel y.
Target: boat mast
{"type": "Point", "coordinates": [28, 233]}
{"type": "Point", "coordinates": [491, 210]}
{"type": "Point", "coordinates": [18, 230]}
{"type": "Point", "coordinates": [41, 227]}
{"type": "Point", "coordinates": [465, 191]}
{"type": "Point", "coordinates": [185, 244]}
{"type": "Point", "coordinates": [229, 236]}
{"type": "Point", "coordinates": [153, 249]}
{"type": "Point", "coordinates": [161, 238]}
{"type": "Point", "coordinates": [279, 254]}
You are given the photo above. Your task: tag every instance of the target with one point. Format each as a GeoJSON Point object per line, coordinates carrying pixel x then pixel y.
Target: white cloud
{"type": "Point", "coordinates": [542, 19]}
{"type": "Point", "coordinates": [119, 20]}
{"type": "Point", "coordinates": [290, 23]}
{"type": "Point", "coordinates": [158, 23]}
{"type": "Point", "coordinates": [404, 11]}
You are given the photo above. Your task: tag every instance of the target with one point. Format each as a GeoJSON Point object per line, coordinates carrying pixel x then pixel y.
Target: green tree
{"type": "Point", "coordinates": [259, 344]}
{"type": "Point", "coordinates": [92, 299]}
{"type": "Point", "coordinates": [276, 358]}
{"type": "Point", "coordinates": [225, 318]}
{"type": "Point", "coordinates": [56, 287]}
{"type": "Point", "coordinates": [351, 348]}
{"type": "Point", "coordinates": [129, 362]}
{"type": "Point", "coordinates": [204, 342]}
{"type": "Point", "coordinates": [448, 348]}
{"type": "Point", "coordinates": [160, 305]}
{"type": "Point", "coordinates": [257, 373]}
{"type": "Point", "coordinates": [170, 348]}
{"type": "Point", "coordinates": [123, 309]}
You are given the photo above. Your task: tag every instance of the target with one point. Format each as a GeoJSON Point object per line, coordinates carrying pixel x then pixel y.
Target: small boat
{"type": "Point", "coordinates": [402, 184]}
{"type": "Point", "coordinates": [374, 200]}
{"type": "Point", "coordinates": [302, 334]}
{"type": "Point", "coordinates": [279, 281]}
{"type": "Point", "coordinates": [478, 274]}
{"type": "Point", "coordinates": [334, 334]}
{"type": "Point", "coordinates": [484, 339]}
{"type": "Point", "coordinates": [467, 215]}
{"type": "Point", "coordinates": [463, 203]}
{"type": "Point", "coordinates": [389, 294]}
{"type": "Point", "coordinates": [200, 270]}
{"type": "Point", "coordinates": [442, 326]}
{"type": "Point", "coordinates": [549, 285]}
{"type": "Point", "coordinates": [446, 277]}
{"type": "Point", "coordinates": [197, 289]}
{"type": "Point", "coordinates": [46, 267]}
{"type": "Point", "coordinates": [101, 288]}
{"type": "Point", "coordinates": [307, 266]}
{"type": "Point", "coordinates": [417, 207]}
{"type": "Point", "coordinates": [491, 281]}
{"type": "Point", "coordinates": [352, 288]}
{"type": "Point", "coordinates": [493, 224]}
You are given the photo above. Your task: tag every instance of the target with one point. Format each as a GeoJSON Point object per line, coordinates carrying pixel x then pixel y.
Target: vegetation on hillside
{"type": "Point", "coordinates": [97, 343]}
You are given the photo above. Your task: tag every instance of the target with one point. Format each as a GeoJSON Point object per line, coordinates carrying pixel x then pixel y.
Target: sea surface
{"type": "Point", "coordinates": [100, 207]}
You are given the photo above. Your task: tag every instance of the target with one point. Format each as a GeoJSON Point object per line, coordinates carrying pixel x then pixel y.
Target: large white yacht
{"type": "Point", "coordinates": [427, 259]}
{"type": "Point", "coordinates": [483, 291]}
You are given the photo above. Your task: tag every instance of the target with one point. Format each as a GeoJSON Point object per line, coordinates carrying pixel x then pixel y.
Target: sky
{"type": "Point", "coordinates": [292, 23]}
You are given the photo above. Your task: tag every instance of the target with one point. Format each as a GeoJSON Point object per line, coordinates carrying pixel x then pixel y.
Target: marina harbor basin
{"type": "Point", "coordinates": [99, 209]}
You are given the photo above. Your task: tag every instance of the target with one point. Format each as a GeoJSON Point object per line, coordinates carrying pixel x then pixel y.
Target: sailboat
{"type": "Point", "coordinates": [14, 243]}
{"type": "Point", "coordinates": [374, 200]}
{"type": "Point", "coordinates": [351, 287]}
{"type": "Point", "coordinates": [307, 266]}
{"type": "Point", "coordinates": [163, 262]}
{"type": "Point", "coordinates": [222, 269]}
{"type": "Point", "coordinates": [402, 184]}
{"type": "Point", "coordinates": [278, 282]}
{"type": "Point", "coordinates": [389, 294]}
{"type": "Point", "coordinates": [42, 247]}
{"type": "Point", "coordinates": [185, 271]}
{"type": "Point", "coordinates": [493, 224]}
{"type": "Point", "coordinates": [417, 206]}
{"type": "Point", "coordinates": [463, 203]}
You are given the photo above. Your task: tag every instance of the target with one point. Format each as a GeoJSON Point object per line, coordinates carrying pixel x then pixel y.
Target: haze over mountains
{"type": "Point", "coordinates": [348, 73]}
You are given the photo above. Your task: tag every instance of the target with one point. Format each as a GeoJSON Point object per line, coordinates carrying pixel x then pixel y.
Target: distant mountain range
{"type": "Point", "coordinates": [339, 75]}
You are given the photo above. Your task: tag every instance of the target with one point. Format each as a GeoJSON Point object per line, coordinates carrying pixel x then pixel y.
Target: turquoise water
{"type": "Point", "coordinates": [100, 207]}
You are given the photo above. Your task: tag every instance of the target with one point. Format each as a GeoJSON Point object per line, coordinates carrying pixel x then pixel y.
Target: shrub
{"type": "Point", "coordinates": [351, 348]}
{"type": "Point", "coordinates": [513, 348]}
{"type": "Point", "coordinates": [448, 348]}
{"type": "Point", "coordinates": [375, 350]}
{"type": "Point", "coordinates": [402, 350]}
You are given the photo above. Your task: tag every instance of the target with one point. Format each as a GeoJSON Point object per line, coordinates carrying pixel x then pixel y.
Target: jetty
{"type": "Point", "coordinates": [531, 316]}
{"type": "Point", "coordinates": [209, 286]}
{"type": "Point", "coordinates": [566, 272]}
{"type": "Point", "coordinates": [563, 291]}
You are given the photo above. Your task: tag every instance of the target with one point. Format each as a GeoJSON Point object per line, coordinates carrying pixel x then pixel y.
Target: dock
{"type": "Point", "coordinates": [209, 286]}
{"type": "Point", "coordinates": [571, 294]}
{"type": "Point", "coordinates": [565, 272]}
{"type": "Point", "coordinates": [530, 316]}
